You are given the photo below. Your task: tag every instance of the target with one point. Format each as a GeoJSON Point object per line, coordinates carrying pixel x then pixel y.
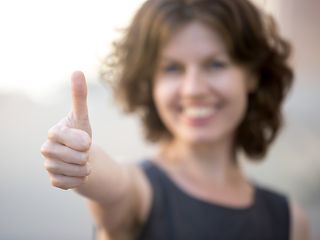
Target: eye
{"type": "Point", "coordinates": [171, 68]}
{"type": "Point", "coordinates": [217, 65]}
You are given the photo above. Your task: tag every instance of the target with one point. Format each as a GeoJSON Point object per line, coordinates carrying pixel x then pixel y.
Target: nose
{"type": "Point", "coordinates": [194, 83]}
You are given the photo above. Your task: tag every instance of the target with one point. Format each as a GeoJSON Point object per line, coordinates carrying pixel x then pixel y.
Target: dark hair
{"type": "Point", "coordinates": [252, 39]}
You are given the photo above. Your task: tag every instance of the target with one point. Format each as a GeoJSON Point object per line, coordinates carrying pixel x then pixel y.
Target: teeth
{"type": "Point", "coordinates": [198, 112]}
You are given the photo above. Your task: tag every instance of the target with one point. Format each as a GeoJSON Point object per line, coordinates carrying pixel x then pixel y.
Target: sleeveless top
{"type": "Point", "coordinates": [176, 215]}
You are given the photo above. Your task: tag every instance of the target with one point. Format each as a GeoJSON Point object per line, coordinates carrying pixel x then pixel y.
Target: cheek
{"type": "Point", "coordinates": [239, 106]}
{"type": "Point", "coordinates": [164, 92]}
{"type": "Point", "coordinates": [234, 95]}
{"type": "Point", "coordinates": [159, 93]}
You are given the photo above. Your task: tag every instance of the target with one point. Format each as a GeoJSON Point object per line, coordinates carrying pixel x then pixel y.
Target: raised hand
{"type": "Point", "coordinates": [66, 151]}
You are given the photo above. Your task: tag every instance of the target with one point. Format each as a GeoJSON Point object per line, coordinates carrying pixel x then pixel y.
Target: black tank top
{"type": "Point", "coordinates": [176, 215]}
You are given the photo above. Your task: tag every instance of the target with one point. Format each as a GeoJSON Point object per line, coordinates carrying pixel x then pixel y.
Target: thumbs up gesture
{"type": "Point", "coordinates": [79, 117]}
{"type": "Point", "coordinates": [66, 150]}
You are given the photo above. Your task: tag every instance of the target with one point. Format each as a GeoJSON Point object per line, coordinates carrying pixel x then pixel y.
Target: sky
{"type": "Point", "coordinates": [44, 41]}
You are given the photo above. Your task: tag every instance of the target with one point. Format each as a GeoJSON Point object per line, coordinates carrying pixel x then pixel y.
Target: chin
{"type": "Point", "coordinates": [201, 138]}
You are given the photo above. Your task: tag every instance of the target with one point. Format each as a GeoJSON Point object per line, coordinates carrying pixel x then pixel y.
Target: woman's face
{"type": "Point", "coordinates": [200, 94]}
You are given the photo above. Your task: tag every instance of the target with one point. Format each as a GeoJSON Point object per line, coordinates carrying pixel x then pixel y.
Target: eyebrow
{"type": "Point", "coordinates": [209, 57]}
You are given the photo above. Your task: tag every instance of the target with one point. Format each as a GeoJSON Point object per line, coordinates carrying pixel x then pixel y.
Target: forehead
{"type": "Point", "coordinates": [194, 40]}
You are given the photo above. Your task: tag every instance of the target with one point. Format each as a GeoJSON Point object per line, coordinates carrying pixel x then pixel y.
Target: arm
{"type": "Point", "coordinates": [120, 196]}
{"type": "Point", "coordinates": [299, 223]}
{"type": "Point", "coordinates": [121, 216]}
{"type": "Point", "coordinates": [73, 162]}
{"type": "Point", "coordinates": [108, 182]}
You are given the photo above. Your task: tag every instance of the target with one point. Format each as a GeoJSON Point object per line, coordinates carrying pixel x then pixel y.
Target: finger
{"type": "Point", "coordinates": [76, 139]}
{"type": "Point", "coordinates": [63, 153]}
{"type": "Point", "coordinates": [71, 170]}
{"type": "Point", "coordinates": [65, 182]}
{"type": "Point", "coordinates": [79, 100]}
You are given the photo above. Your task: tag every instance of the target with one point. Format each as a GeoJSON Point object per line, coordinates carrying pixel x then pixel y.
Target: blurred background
{"type": "Point", "coordinates": [43, 42]}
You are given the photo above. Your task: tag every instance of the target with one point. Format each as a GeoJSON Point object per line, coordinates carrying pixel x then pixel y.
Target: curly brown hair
{"type": "Point", "coordinates": [252, 40]}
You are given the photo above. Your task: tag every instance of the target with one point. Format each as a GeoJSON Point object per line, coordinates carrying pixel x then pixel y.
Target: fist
{"type": "Point", "coordinates": [66, 150]}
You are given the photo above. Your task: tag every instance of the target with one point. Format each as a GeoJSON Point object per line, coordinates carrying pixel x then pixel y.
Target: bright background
{"type": "Point", "coordinates": [43, 41]}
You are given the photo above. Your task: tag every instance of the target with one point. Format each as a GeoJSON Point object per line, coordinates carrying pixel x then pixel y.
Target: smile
{"type": "Point", "coordinates": [199, 115]}
{"type": "Point", "coordinates": [198, 112]}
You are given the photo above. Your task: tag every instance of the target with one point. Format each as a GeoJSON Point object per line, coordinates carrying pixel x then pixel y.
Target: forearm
{"type": "Point", "coordinates": [108, 180]}
{"type": "Point", "coordinates": [112, 199]}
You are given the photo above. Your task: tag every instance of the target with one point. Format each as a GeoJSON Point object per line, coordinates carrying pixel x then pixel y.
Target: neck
{"type": "Point", "coordinates": [211, 162]}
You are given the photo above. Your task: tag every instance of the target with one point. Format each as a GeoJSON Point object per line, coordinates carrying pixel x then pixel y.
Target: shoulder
{"type": "Point", "coordinates": [274, 200]}
{"type": "Point", "coordinates": [121, 218]}
{"type": "Point", "coordinates": [283, 207]}
{"type": "Point", "coordinates": [299, 223]}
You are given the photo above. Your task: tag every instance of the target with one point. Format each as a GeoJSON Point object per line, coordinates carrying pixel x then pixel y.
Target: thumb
{"type": "Point", "coordinates": [79, 102]}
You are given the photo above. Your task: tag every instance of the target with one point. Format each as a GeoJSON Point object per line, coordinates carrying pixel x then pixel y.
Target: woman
{"type": "Point", "coordinates": [208, 78]}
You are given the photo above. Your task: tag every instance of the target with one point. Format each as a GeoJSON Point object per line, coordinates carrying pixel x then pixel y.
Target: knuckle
{"type": "Point", "coordinates": [79, 171]}
{"type": "Point", "coordinates": [52, 167]}
{"type": "Point", "coordinates": [85, 171]}
{"type": "Point", "coordinates": [82, 180]}
{"type": "Point", "coordinates": [88, 170]}
{"type": "Point", "coordinates": [63, 131]}
{"type": "Point", "coordinates": [59, 184]}
{"type": "Point", "coordinates": [45, 150]}
{"type": "Point", "coordinates": [46, 166]}
{"type": "Point", "coordinates": [85, 141]}
{"type": "Point", "coordinates": [53, 132]}
{"type": "Point", "coordinates": [83, 158]}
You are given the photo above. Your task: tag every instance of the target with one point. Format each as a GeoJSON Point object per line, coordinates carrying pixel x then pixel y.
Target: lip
{"type": "Point", "coordinates": [199, 121]}
{"type": "Point", "coordinates": [200, 103]}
